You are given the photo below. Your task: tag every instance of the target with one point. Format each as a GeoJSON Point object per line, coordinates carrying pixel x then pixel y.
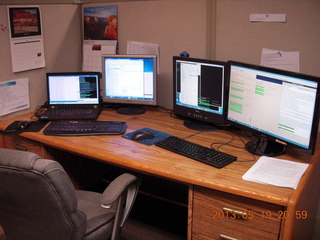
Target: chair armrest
{"type": "Point", "coordinates": [117, 187]}
{"type": "Point", "coordinates": [122, 190]}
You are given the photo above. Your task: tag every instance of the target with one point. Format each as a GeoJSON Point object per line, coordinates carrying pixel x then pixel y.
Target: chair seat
{"type": "Point", "coordinates": [97, 217]}
{"type": "Point", "coordinates": [38, 201]}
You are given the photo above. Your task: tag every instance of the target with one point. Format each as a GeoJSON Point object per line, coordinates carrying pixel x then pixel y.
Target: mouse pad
{"type": "Point", "coordinates": [35, 126]}
{"type": "Point", "coordinates": [158, 136]}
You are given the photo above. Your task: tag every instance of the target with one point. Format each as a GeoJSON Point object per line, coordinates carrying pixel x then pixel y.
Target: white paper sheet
{"type": "Point", "coordinates": [27, 54]}
{"type": "Point", "coordinates": [134, 47]}
{"type": "Point", "coordinates": [26, 37]}
{"type": "Point", "coordinates": [14, 96]}
{"type": "Point", "coordinates": [93, 51]}
{"type": "Point", "coordinates": [289, 61]}
{"type": "Point", "coordinates": [267, 17]}
{"type": "Point", "coordinates": [278, 172]}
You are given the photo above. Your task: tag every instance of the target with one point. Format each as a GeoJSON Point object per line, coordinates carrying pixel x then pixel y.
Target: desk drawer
{"type": "Point", "coordinates": [24, 144]}
{"type": "Point", "coordinates": [218, 215]}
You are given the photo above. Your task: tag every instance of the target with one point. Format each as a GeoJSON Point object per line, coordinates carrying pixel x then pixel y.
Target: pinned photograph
{"type": "Point", "coordinates": [100, 23]}
{"type": "Point", "coordinates": [24, 21]}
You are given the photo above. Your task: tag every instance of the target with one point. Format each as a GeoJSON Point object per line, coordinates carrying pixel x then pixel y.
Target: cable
{"type": "Point", "coordinates": [228, 143]}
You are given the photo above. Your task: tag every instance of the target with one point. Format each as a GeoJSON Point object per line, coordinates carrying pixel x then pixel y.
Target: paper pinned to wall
{"type": "Point", "coordinates": [134, 47]}
{"type": "Point", "coordinates": [93, 51]}
{"type": "Point", "coordinates": [26, 38]}
{"type": "Point", "coordinates": [289, 61]}
{"type": "Point", "coordinates": [27, 54]}
{"type": "Point", "coordinates": [14, 96]}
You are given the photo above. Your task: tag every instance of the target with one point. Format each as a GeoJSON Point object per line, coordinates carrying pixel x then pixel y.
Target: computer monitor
{"type": "Point", "coordinates": [281, 107]}
{"type": "Point", "coordinates": [200, 92]}
{"type": "Point", "coordinates": [82, 88]}
{"type": "Point", "coordinates": [130, 81]}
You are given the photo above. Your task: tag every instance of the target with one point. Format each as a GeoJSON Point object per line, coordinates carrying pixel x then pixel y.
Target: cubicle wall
{"type": "Point", "coordinates": [239, 39]}
{"type": "Point", "coordinates": [217, 29]}
{"type": "Point", "coordinates": [61, 46]}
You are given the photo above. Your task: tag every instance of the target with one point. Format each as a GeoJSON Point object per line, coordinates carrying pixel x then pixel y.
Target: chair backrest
{"type": "Point", "coordinates": [37, 199]}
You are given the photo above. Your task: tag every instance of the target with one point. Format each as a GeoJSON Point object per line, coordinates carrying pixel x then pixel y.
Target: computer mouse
{"type": "Point", "coordinates": [141, 135]}
{"type": "Point", "coordinates": [23, 125]}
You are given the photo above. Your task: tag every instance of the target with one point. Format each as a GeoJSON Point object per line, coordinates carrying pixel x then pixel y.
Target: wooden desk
{"type": "Point", "coordinates": [264, 211]}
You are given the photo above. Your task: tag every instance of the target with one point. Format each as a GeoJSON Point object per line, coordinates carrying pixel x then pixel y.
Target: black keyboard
{"type": "Point", "coordinates": [78, 128]}
{"type": "Point", "coordinates": [195, 151]}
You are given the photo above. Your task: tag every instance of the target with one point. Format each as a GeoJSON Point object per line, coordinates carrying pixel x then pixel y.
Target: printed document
{"type": "Point", "coordinates": [14, 96]}
{"type": "Point", "coordinates": [277, 172]}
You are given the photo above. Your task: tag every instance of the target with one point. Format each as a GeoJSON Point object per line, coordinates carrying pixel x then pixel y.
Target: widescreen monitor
{"type": "Point", "coordinates": [130, 82]}
{"type": "Point", "coordinates": [280, 107]}
{"type": "Point", "coordinates": [199, 90]}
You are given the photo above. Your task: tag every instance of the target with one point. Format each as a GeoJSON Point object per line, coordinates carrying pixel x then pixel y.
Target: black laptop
{"type": "Point", "coordinates": [72, 96]}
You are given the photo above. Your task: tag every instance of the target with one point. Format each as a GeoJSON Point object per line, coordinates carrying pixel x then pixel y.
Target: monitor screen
{"type": "Point", "coordinates": [73, 88]}
{"type": "Point", "coordinates": [280, 106]}
{"type": "Point", "coordinates": [199, 92]}
{"type": "Point", "coordinates": [129, 79]}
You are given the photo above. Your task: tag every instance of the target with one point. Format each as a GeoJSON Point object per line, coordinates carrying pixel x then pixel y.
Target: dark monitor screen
{"type": "Point", "coordinates": [280, 106]}
{"type": "Point", "coordinates": [199, 92]}
{"type": "Point", "coordinates": [129, 79]}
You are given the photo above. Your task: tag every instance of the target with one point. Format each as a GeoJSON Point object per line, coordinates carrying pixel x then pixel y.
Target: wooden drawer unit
{"type": "Point", "coordinates": [218, 215]}
{"type": "Point", "coordinates": [19, 143]}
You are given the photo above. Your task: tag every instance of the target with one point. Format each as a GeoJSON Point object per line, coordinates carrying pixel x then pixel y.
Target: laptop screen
{"type": "Point", "coordinates": [73, 88]}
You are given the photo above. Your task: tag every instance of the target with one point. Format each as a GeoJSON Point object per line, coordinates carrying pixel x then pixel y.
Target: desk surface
{"type": "Point", "coordinates": [156, 161]}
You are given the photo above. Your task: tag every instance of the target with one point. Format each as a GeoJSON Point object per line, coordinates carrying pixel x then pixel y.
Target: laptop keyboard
{"type": "Point", "coordinates": [70, 114]}
{"type": "Point", "coordinates": [79, 128]}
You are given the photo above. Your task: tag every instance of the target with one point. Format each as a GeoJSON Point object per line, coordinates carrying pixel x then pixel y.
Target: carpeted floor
{"type": "Point", "coordinates": [134, 230]}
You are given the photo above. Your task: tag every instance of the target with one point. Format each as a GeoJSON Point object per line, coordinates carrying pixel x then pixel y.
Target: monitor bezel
{"type": "Point", "coordinates": [98, 74]}
{"type": "Point", "coordinates": [315, 122]}
{"type": "Point", "coordinates": [196, 114]}
{"type": "Point", "coordinates": [142, 102]}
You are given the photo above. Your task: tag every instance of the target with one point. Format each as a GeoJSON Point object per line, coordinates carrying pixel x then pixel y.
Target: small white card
{"type": "Point", "coordinates": [267, 17]}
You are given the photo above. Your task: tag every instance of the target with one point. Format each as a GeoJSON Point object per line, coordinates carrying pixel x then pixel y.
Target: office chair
{"type": "Point", "coordinates": [39, 202]}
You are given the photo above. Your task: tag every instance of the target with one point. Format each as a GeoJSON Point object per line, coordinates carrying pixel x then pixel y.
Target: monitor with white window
{"type": "Point", "coordinates": [280, 107]}
{"type": "Point", "coordinates": [129, 81]}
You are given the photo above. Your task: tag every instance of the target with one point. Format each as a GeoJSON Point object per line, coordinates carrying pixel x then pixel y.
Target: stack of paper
{"type": "Point", "coordinates": [278, 172]}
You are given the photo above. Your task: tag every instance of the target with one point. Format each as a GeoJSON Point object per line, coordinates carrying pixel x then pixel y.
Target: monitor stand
{"type": "Point", "coordinates": [131, 110]}
{"type": "Point", "coordinates": [264, 147]}
{"type": "Point", "coordinates": [199, 126]}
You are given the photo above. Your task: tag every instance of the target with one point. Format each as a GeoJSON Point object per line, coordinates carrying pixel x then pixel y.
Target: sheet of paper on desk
{"type": "Point", "coordinates": [278, 172]}
{"type": "Point", "coordinates": [14, 96]}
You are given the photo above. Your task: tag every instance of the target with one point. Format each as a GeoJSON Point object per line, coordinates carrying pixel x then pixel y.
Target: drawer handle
{"type": "Point", "coordinates": [237, 213]}
{"type": "Point", "coordinates": [226, 237]}
{"type": "Point", "coordinates": [19, 147]}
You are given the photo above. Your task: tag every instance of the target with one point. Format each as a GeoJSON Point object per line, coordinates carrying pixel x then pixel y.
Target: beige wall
{"type": "Point", "coordinates": [216, 29]}
{"type": "Point", "coordinates": [62, 49]}
{"type": "Point", "coordinates": [174, 25]}
{"type": "Point", "coordinates": [239, 39]}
